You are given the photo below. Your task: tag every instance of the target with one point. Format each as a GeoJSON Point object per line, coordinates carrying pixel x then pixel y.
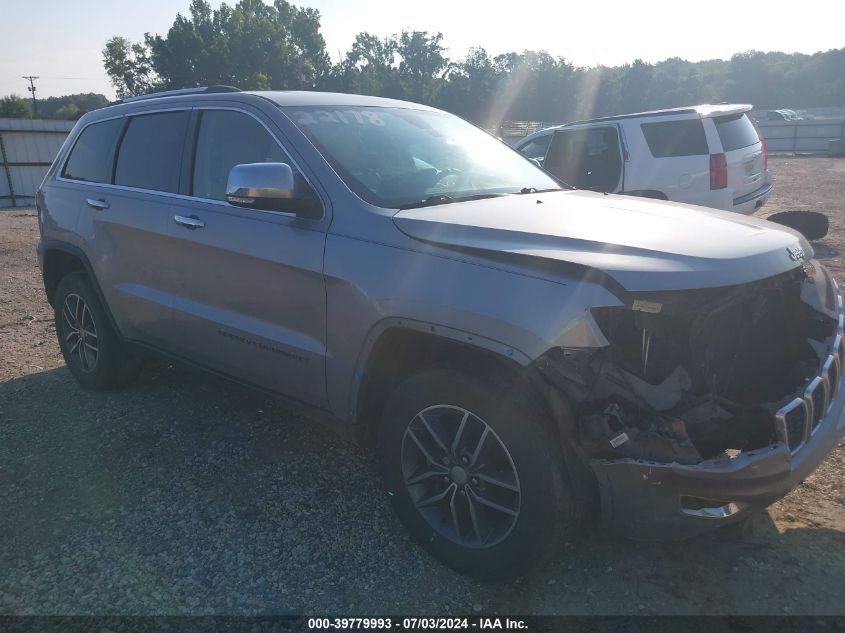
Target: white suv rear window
{"type": "Point", "coordinates": [736, 131]}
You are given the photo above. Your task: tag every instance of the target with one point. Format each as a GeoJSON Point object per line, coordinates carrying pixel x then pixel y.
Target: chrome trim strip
{"type": "Point", "coordinates": [780, 420]}
{"type": "Point", "coordinates": [99, 205]}
{"type": "Point", "coordinates": [815, 383]}
{"type": "Point", "coordinates": [833, 386]}
{"type": "Point", "coordinates": [189, 222]}
{"type": "Point", "coordinates": [716, 512]}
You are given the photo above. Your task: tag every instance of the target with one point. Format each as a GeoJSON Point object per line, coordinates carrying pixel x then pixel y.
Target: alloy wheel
{"type": "Point", "coordinates": [460, 476]}
{"type": "Point", "coordinates": [80, 333]}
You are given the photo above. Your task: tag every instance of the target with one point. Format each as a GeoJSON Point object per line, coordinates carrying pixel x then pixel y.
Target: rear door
{"type": "Point", "coordinates": [743, 153]}
{"type": "Point", "coordinates": [124, 222]}
{"type": "Point", "coordinates": [249, 293]}
{"type": "Point", "coordinates": [669, 154]}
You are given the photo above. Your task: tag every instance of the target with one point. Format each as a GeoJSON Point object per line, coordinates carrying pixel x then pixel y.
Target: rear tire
{"type": "Point", "coordinates": [502, 507]}
{"type": "Point", "coordinates": [93, 352]}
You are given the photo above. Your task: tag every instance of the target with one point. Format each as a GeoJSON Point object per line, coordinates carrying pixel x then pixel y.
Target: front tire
{"type": "Point", "coordinates": [93, 351]}
{"type": "Point", "coordinates": [473, 472]}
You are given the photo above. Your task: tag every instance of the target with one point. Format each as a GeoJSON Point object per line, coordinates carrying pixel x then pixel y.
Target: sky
{"type": "Point", "coordinates": [61, 41]}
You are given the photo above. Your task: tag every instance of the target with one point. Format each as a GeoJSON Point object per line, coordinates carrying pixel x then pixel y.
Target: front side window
{"type": "Point", "coordinates": [537, 148]}
{"type": "Point", "coordinates": [399, 157]}
{"type": "Point", "coordinates": [92, 154]}
{"type": "Point", "coordinates": [227, 138]}
{"type": "Point", "coordinates": [683, 137]}
{"type": "Point", "coordinates": [151, 151]}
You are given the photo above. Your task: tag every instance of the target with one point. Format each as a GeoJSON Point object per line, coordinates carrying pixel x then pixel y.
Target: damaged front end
{"type": "Point", "coordinates": [706, 402]}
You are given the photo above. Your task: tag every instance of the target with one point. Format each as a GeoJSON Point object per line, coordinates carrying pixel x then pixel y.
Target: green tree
{"type": "Point", "coordinates": [69, 111]}
{"type": "Point", "coordinates": [70, 106]}
{"type": "Point", "coordinates": [15, 107]}
{"type": "Point", "coordinates": [635, 89]}
{"type": "Point", "coordinates": [129, 67]}
{"type": "Point", "coordinates": [250, 45]}
{"type": "Point", "coordinates": [470, 87]}
{"type": "Point", "coordinates": [422, 64]}
{"type": "Point", "coordinates": [279, 46]}
{"type": "Point", "coordinates": [370, 67]}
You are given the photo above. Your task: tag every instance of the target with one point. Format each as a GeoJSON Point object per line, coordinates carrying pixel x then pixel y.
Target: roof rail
{"type": "Point", "coordinates": [181, 91]}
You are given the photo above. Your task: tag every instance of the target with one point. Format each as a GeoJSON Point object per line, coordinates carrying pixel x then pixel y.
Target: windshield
{"type": "Point", "coordinates": [397, 157]}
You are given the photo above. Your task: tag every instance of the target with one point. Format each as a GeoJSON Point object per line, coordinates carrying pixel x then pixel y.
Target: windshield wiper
{"type": "Point", "coordinates": [525, 190]}
{"type": "Point", "coordinates": [432, 201]}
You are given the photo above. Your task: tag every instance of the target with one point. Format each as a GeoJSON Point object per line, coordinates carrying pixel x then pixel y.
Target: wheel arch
{"type": "Point", "coordinates": [401, 347]}
{"type": "Point", "coordinates": [60, 259]}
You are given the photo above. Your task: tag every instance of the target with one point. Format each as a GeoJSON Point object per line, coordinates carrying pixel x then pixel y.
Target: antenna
{"type": "Point", "coordinates": [31, 79]}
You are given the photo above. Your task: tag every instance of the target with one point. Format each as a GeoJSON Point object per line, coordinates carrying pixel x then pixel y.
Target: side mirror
{"type": "Point", "coordinates": [270, 187]}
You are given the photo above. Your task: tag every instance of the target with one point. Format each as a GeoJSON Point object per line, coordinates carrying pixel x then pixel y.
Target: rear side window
{"type": "Point", "coordinates": [736, 131]}
{"type": "Point", "coordinates": [684, 137]}
{"type": "Point", "coordinates": [226, 139]}
{"type": "Point", "coordinates": [151, 151]}
{"type": "Point", "coordinates": [92, 154]}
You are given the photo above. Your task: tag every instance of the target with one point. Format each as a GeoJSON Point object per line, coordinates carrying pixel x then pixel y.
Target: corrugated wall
{"type": "Point", "coordinates": [811, 136]}
{"type": "Point", "coordinates": [27, 148]}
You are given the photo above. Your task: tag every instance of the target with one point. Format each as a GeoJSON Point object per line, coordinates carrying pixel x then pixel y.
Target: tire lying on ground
{"type": "Point", "coordinates": [810, 224]}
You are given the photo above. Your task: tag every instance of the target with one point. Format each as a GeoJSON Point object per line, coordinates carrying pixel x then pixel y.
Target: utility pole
{"type": "Point", "coordinates": [31, 89]}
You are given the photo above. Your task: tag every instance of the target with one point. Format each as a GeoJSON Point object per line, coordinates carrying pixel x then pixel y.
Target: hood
{"type": "Point", "coordinates": [644, 245]}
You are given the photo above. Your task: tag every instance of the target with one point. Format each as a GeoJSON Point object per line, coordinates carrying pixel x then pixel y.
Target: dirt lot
{"type": "Point", "coordinates": [181, 495]}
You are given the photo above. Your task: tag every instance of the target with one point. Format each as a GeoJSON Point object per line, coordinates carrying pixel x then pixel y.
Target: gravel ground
{"type": "Point", "coordinates": [184, 495]}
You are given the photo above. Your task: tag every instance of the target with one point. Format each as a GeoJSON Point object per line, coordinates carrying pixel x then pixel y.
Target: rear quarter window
{"type": "Point", "coordinates": [92, 154]}
{"type": "Point", "coordinates": [684, 137]}
{"type": "Point", "coordinates": [735, 132]}
{"type": "Point", "coordinates": [151, 151]}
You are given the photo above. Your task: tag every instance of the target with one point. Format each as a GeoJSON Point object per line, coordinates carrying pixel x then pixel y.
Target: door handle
{"type": "Point", "coordinates": [99, 205]}
{"type": "Point", "coordinates": [189, 221]}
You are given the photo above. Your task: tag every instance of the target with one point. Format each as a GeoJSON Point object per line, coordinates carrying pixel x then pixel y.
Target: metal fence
{"type": "Point", "coordinates": [811, 136]}
{"type": "Point", "coordinates": [27, 148]}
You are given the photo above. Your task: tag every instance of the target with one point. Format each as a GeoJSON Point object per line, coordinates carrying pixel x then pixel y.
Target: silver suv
{"type": "Point", "coordinates": [520, 355]}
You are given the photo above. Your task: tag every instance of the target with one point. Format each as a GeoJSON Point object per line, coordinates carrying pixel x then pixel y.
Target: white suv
{"type": "Point", "coordinates": [710, 155]}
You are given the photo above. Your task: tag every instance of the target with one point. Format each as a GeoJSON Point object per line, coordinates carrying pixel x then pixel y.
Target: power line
{"type": "Point", "coordinates": [78, 78]}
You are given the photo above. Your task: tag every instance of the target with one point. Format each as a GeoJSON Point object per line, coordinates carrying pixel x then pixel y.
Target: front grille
{"type": "Point", "coordinates": [819, 399]}
{"type": "Point", "coordinates": [800, 418]}
{"type": "Point", "coordinates": [816, 397]}
{"type": "Point", "coordinates": [796, 423]}
{"type": "Point", "coordinates": [830, 371]}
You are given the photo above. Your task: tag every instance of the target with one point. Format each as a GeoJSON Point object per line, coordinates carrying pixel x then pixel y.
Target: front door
{"type": "Point", "coordinates": [249, 292]}
{"type": "Point", "coordinates": [587, 158]}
